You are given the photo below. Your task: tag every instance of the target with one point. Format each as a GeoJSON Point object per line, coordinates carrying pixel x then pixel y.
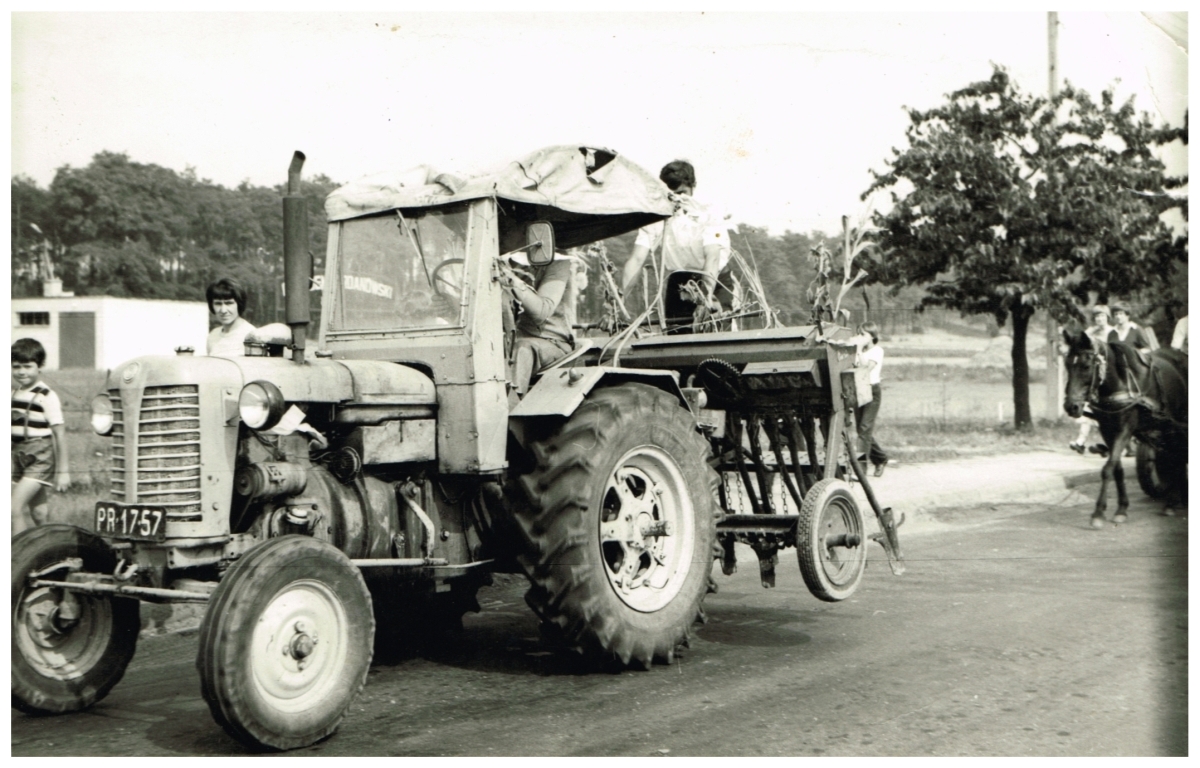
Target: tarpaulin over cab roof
{"type": "Point", "coordinates": [587, 193]}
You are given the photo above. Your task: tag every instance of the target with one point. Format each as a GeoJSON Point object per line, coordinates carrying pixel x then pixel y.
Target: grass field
{"type": "Point", "coordinates": [929, 412]}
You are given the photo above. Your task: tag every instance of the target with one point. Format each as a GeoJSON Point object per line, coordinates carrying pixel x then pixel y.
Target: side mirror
{"type": "Point", "coordinates": [540, 238]}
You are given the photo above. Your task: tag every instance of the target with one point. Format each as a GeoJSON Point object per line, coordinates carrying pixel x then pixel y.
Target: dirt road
{"type": "Point", "coordinates": [1016, 631]}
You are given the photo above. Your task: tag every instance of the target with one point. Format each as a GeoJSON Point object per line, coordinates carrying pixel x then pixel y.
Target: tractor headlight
{"type": "Point", "coordinates": [261, 405]}
{"type": "Point", "coordinates": [102, 414]}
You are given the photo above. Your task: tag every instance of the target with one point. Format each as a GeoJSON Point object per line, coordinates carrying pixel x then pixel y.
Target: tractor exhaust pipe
{"type": "Point", "coordinates": [297, 260]}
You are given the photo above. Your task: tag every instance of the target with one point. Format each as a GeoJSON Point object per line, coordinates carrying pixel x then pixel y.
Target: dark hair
{"type": "Point", "coordinates": [226, 288]}
{"type": "Point", "coordinates": [29, 351]}
{"type": "Point", "coordinates": [678, 173]}
{"type": "Point", "coordinates": [872, 329]}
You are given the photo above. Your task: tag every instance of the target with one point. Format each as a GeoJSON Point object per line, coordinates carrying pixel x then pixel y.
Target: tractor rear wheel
{"type": "Point", "coordinates": [831, 540]}
{"type": "Point", "coordinates": [620, 526]}
{"type": "Point", "coordinates": [286, 643]}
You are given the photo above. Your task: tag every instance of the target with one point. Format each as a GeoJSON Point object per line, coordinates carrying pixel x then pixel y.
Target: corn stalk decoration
{"type": "Point", "coordinates": [749, 294]}
{"type": "Point", "coordinates": [613, 314]}
{"type": "Point", "coordinates": [855, 242]}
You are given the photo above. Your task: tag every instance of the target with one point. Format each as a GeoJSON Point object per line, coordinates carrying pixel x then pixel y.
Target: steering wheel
{"type": "Point", "coordinates": [447, 279]}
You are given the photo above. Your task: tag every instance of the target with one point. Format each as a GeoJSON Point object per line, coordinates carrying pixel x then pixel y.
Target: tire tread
{"type": "Point", "coordinates": [229, 699]}
{"type": "Point", "coordinates": [552, 523]}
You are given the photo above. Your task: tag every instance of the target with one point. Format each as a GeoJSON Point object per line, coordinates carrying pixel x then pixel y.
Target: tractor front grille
{"type": "Point", "coordinates": [165, 470]}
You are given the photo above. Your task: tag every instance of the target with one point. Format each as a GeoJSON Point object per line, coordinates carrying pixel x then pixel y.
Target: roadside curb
{"type": "Point", "coordinates": [1033, 491]}
{"type": "Point", "coordinates": [1082, 478]}
{"type": "Point", "coordinates": [1040, 477]}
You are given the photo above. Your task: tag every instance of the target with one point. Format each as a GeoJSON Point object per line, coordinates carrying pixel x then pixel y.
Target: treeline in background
{"type": "Point", "coordinates": [122, 228]}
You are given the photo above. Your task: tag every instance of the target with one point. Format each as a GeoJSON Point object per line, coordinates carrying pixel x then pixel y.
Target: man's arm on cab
{"type": "Point", "coordinates": [541, 303]}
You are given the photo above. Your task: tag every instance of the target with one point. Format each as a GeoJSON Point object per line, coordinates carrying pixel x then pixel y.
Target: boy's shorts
{"type": "Point", "coordinates": [33, 458]}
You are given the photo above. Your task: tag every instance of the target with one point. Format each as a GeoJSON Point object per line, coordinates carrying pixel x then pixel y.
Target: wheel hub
{"type": "Point", "coordinates": [839, 537]}
{"type": "Point", "coordinates": [303, 637]}
{"type": "Point", "coordinates": [56, 632]}
{"type": "Point", "coordinates": [302, 644]}
{"type": "Point", "coordinates": [645, 507]}
{"type": "Point", "coordinates": [50, 620]}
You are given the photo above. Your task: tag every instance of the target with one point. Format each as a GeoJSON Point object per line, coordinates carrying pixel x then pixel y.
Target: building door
{"type": "Point", "coordinates": [76, 339]}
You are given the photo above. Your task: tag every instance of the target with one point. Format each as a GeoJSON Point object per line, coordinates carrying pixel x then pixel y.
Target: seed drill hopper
{"type": "Point", "coordinates": [778, 408]}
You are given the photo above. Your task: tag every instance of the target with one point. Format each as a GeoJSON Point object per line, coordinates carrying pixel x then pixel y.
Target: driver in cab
{"type": "Point", "coordinates": [546, 297]}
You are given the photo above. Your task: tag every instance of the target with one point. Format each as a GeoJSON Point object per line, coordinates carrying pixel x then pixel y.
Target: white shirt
{"type": "Point", "coordinates": [874, 355]}
{"type": "Point", "coordinates": [684, 235]}
{"type": "Point", "coordinates": [1179, 338]}
{"type": "Point", "coordinates": [231, 344]}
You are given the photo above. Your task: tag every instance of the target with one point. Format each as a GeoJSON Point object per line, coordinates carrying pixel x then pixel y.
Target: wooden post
{"type": "Point", "coordinates": [1054, 373]}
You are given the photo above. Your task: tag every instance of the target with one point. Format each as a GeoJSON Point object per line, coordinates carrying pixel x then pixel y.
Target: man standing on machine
{"type": "Point", "coordinates": [692, 239]}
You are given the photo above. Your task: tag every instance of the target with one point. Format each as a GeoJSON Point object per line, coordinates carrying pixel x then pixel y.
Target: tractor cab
{"type": "Point", "coordinates": [415, 250]}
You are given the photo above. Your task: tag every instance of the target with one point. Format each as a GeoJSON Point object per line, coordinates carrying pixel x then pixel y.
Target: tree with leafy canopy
{"type": "Point", "coordinates": [123, 228]}
{"type": "Point", "coordinates": [1005, 203]}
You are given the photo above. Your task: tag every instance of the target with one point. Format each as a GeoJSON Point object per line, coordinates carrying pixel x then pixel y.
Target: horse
{"type": "Point", "coordinates": [1129, 396]}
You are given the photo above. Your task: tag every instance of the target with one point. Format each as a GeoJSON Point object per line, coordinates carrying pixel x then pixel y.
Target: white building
{"type": "Point", "coordinates": [102, 332]}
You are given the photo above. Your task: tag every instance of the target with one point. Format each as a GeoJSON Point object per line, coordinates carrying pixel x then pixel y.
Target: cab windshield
{"type": "Point", "coordinates": [402, 269]}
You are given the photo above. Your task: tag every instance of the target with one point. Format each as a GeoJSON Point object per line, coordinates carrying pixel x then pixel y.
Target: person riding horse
{"type": "Point", "coordinates": [1128, 396]}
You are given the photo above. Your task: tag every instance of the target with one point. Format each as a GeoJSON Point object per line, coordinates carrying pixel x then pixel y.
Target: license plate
{"type": "Point", "coordinates": [128, 521]}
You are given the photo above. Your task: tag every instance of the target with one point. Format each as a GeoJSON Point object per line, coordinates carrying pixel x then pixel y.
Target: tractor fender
{"type": "Point", "coordinates": [561, 390]}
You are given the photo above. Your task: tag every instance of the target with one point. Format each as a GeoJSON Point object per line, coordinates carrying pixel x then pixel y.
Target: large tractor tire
{"type": "Point", "coordinates": [67, 651]}
{"type": "Point", "coordinates": [286, 643]}
{"type": "Point", "coordinates": [620, 526]}
{"type": "Point", "coordinates": [831, 540]}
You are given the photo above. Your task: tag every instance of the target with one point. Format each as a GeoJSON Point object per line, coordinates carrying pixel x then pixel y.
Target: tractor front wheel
{"type": "Point", "coordinates": [286, 643]}
{"type": "Point", "coordinates": [68, 648]}
{"type": "Point", "coordinates": [620, 525]}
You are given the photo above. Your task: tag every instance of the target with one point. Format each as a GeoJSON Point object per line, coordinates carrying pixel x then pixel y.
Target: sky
{"type": "Point", "coordinates": [783, 115]}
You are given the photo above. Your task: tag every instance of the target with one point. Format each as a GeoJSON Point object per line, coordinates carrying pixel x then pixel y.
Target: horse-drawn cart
{"type": "Point", "coordinates": [1156, 473]}
{"type": "Point", "coordinates": [1132, 395]}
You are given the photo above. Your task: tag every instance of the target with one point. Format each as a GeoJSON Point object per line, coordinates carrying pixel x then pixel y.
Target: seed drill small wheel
{"type": "Point", "coordinates": [831, 541]}
{"type": "Point", "coordinates": [68, 649]}
{"type": "Point", "coordinates": [286, 643]}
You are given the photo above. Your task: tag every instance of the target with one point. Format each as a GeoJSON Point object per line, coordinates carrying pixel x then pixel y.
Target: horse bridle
{"type": "Point", "coordinates": [1099, 367]}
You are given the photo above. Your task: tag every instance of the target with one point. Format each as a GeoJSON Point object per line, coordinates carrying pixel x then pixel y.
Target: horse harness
{"type": "Point", "coordinates": [1124, 399]}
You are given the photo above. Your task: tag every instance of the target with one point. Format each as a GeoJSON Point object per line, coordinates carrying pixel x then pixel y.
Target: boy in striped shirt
{"type": "Point", "coordinates": [39, 453]}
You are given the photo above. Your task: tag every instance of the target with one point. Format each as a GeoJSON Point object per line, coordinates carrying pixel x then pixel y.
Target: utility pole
{"type": "Point", "coordinates": [1052, 23]}
{"type": "Point", "coordinates": [1054, 377]}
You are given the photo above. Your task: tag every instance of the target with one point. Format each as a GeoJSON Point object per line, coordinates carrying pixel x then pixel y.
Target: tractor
{"type": "Point", "coordinates": [319, 494]}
